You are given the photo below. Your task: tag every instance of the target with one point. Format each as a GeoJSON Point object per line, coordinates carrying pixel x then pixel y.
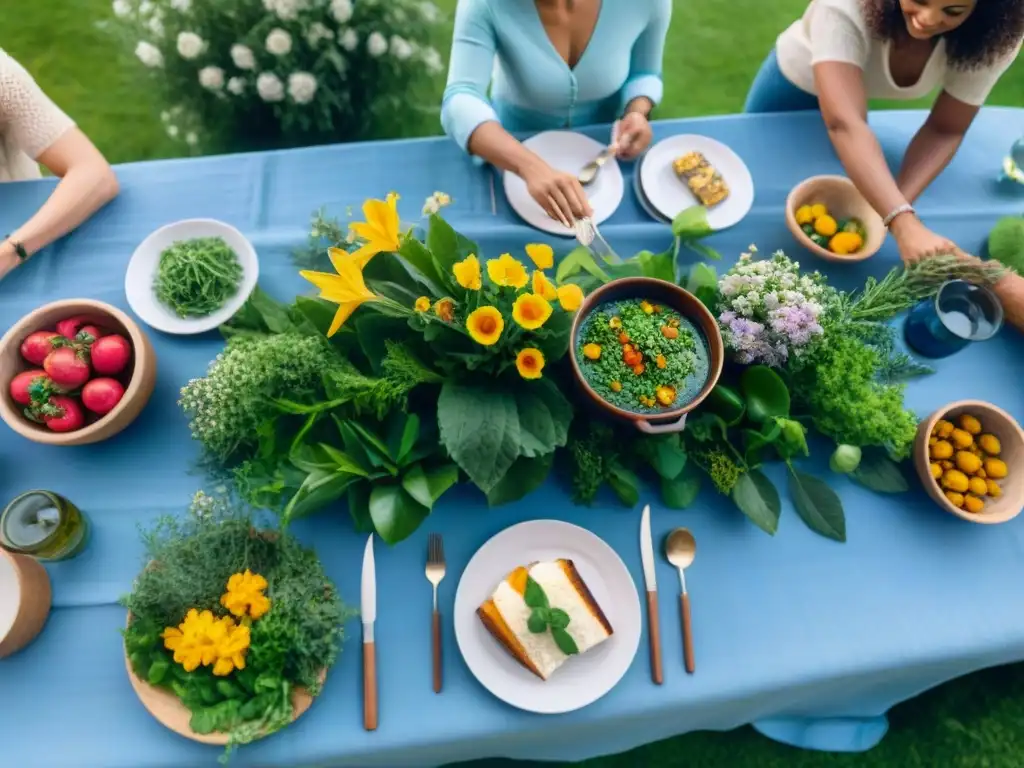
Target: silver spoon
{"type": "Point", "coordinates": [589, 172]}
{"type": "Point", "coordinates": [680, 549]}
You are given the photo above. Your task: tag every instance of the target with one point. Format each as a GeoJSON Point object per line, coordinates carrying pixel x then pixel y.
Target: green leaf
{"type": "Point", "coordinates": [660, 266]}
{"type": "Point", "coordinates": [704, 251]}
{"type": "Point", "coordinates": [203, 721]}
{"type": "Point", "coordinates": [273, 313]}
{"type": "Point", "coordinates": [758, 499]}
{"type": "Point", "coordinates": [158, 671]}
{"type": "Point", "coordinates": [792, 439]}
{"type": "Point", "coordinates": [681, 492]}
{"type": "Point", "coordinates": [395, 514]}
{"type": "Point", "coordinates": [818, 505]}
{"type": "Point", "coordinates": [358, 498]}
{"type": "Point", "coordinates": [692, 223]}
{"type": "Point", "coordinates": [523, 478]}
{"type": "Point", "coordinates": [579, 259]}
{"type": "Point", "coordinates": [557, 618]}
{"type": "Point", "coordinates": [664, 453]}
{"type": "Point", "coordinates": [702, 276]}
{"type": "Point", "coordinates": [319, 489]}
{"type": "Point", "coordinates": [766, 393]}
{"type": "Point", "coordinates": [706, 428]}
{"type": "Point", "coordinates": [374, 331]}
{"type": "Point", "coordinates": [564, 642]}
{"type": "Point", "coordinates": [624, 484]}
{"type": "Point", "coordinates": [318, 312]}
{"type": "Point", "coordinates": [544, 418]}
{"type": "Point", "coordinates": [754, 441]}
{"type": "Point", "coordinates": [553, 338]}
{"type": "Point", "coordinates": [403, 432]}
{"type": "Point", "coordinates": [341, 462]}
{"type": "Point", "coordinates": [422, 260]}
{"type": "Point", "coordinates": [479, 426]}
{"type": "Point", "coordinates": [372, 442]}
{"type": "Point", "coordinates": [427, 487]}
{"type": "Point", "coordinates": [229, 690]}
{"type": "Point", "coordinates": [880, 473]}
{"type": "Point", "coordinates": [447, 245]}
{"type": "Point", "coordinates": [534, 595]}
{"type": "Point", "coordinates": [727, 403]}
{"type": "Point", "coordinates": [537, 621]}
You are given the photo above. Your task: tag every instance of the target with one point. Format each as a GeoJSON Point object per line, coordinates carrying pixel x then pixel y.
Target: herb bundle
{"type": "Point", "coordinates": [545, 617]}
{"type": "Point", "coordinates": [196, 277]}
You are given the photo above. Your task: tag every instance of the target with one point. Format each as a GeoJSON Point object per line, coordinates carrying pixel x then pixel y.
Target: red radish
{"type": "Point", "coordinates": [66, 368]}
{"type": "Point", "coordinates": [63, 414]}
{"type": "Point", "coordinates": [87, 334]}
{"type": "Point", "coordinates": [30, 385]}
{"type": "Point", "coordinates": [69, 328]}
{"type": "Point", "coordinates": [38, 345]}
{"type": "Point", "coordinates": [101, 395]}
{"type": "Point", "coordinates": [110, 354]}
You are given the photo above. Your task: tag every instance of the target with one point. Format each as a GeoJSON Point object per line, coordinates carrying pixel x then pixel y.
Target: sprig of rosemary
{"type": "Point", "coordinates": [543, 617]}
{"type": "Point", "coordinates": [196, 277]}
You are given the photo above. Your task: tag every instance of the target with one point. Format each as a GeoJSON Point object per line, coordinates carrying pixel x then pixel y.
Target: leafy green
{"type": "Point", "coordinates": [523, 478]}
{"type": "Point", "coordinates": [757, 498]}
{"type": "Point", "coordinates": [543, 618]}
{"type": "Point", "coordinates": [766, 394]}
{"type": "Point", "coordinates": [680, 492]}
{"type": "Point", "coordinates": [879, 473]}
{"type": "Point", "coordinates": [1006, 243]}
{"type": "Point", "coordinates": [481, 431]}
{"type": "Point", "coordinates": [818, 505]}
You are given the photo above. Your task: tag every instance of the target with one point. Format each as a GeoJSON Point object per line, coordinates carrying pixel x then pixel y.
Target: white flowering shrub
{"type": "Point", "coordinates": [255, 74]}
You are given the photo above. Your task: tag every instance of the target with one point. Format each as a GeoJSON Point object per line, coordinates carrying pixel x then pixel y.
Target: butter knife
{"type": "Point", "coordinates": [651, 584]}
{"type": "Point", "coordinates": [369, 614]}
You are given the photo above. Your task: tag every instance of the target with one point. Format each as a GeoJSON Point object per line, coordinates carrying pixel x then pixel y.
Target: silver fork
{"type": "Point", "coordinates": [435, 572]}
{"type": "Point", "coordinates": [588, 236]}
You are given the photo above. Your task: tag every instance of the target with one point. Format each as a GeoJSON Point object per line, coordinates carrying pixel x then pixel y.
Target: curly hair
{"type": "Point", "coordinates": [993, 29]}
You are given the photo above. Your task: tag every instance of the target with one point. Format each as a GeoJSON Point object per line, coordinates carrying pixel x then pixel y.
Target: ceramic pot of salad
{"type": "Point", "coordinates": [646, 351]}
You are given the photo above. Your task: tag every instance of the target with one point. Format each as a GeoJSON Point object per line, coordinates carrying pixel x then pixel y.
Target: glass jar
{"type": "Point", "coordinates": [43, 525]}
{"type": "Point", "coordinates": [960, 313]}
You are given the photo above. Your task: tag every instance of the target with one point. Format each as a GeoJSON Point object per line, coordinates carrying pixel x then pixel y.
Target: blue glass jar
{"type": "Point", "coordinates": [960, 313]}
{"type": "Point", "coordinates": [1013, 164]}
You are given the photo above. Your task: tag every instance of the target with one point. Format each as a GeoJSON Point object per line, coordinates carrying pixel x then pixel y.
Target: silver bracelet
{"type": "Point", "coordinates": [898, 211]}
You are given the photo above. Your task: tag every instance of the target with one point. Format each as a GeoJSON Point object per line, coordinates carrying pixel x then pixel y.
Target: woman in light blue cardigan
{"type": "Point", "coordinates": [555, 64]}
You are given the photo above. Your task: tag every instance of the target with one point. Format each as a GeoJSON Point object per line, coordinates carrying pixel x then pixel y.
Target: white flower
{"type": "Point", "coordinates": [156, 26]}
{"type": "Point", "coordinates": [433, 60]}
{"type": "Point", "coordinates": [278, 42]}
{"type": "Point", "coordinates": [121, 8]}
{"type": "Point", "coordinates": [172, 131]}
{"type": "Point", "coordinates": [400, 48]}
{"type": "Point", "coordinates": [341, 10]}
{"type": "Point", "coordinates": [286, 10]}
{"type": "Point", "coordinates": [191, 138]}
{"type": "Point", "coordinates": [316, 33]}
{"type": "Point", "coordinates": [236, 85]}
{"type": "Point", "coordinates": [435, 203]}
{"type": "Point", "coordinates": [211, 78]}
{"type": "Point", "coordinates": [149, 54]}
{"type": "Point", "coordinates": [243, 56]}
{"type": "Point", "coordinates": [269, 87]}
{"type": "Point", "coordinates": [349, 40]}
{"type": "Point", "coordinates": [428, 11]}
{"type": "Point", "coordinates": [301, 87]}
{"type": "Point", "coordinates": [181, 6]}
{"type": "Point", "coordinates": [376, 45]}
{"type": "Point", "coordinates": [190, 45]}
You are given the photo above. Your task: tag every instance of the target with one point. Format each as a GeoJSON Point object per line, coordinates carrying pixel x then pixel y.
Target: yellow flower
{"type": "Point", "coordinates": [506, 271]}
{"type": "Point", "coordinates": [231, 650]}
{"type": "Point", "coordinates": [380, 230]}
{"type": "Point", "coordinates": [196, 639]}
{"type": "Point", "coordinates": [531, 311]}
{"type": "Point", "coordinates": [346, 288]}
{"type": "Point", "coordinates": [541, 255]}
{"type": "Point", "coordinates": [245, 595]}
{"type": "Point", "coordinates": [422, 304]}
{"type": "Point", "coordinates": [467, 273]}
{"type": "Point", "coordinates": [543, 287]}
{"type": "Point", "coordinates": [570, 296]}
{"type": "Point", "coordinates": [485, 325]}
{"type": "Point", "coordinates": [530, 363]}
{"type": "Point", "coordinates": [445, 309]}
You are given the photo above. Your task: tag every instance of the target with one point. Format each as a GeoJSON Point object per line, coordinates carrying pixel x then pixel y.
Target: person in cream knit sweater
{"type": "Point", "coordinates": [34, 130]}
{"type": "Point", "coordinates": [844, 52]}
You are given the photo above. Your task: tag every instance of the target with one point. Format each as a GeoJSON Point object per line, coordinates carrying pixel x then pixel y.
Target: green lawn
{"type": "Point", "coordinates": [714, 49]}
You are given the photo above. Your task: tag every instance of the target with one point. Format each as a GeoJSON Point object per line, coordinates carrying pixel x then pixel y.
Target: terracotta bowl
{"type": "Point", "coordinates": [840, 196]}
{"type": "Point", "coordinates": [994, 421]}
{"type": "Point", "coordinates": [139, 378]}
{"type": "Point", "coordinates": [31, 601]}
{"type": "Point", "coordinates": [683, 302]}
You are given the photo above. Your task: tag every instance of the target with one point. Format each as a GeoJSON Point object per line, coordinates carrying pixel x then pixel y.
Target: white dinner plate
{"type": "Point", "coordinates": [580, 681]}
{"type": "Point", "coordinates": [569, 152]}
{"type": "Point", "coordinates": [138, 281]}
{"type": "Point", "coordinates": [669, 195]}
{"type": "Point", "coordinates": [641, 198]}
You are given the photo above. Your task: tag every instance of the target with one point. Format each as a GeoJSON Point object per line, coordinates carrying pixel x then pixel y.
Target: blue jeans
{"type": "Point", "coordinates": [772, 92]}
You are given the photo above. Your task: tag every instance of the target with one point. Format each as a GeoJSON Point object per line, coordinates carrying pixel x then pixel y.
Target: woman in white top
{"type": "Point", "coordinates": [33, 128]}
{"type": "Point", "coordinates": [844, 52]}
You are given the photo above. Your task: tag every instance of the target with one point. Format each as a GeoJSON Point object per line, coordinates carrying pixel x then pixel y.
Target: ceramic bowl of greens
{"type": "Point", "coordinates": [191, 276]}
{"type": "Point", "coordinates": [646, 351]}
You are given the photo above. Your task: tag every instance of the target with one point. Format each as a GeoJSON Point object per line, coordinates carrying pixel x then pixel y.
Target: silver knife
{"type": "Point", "coordinates": [651, 584]}
{"type": "Point", "coordinates": [369, 614]}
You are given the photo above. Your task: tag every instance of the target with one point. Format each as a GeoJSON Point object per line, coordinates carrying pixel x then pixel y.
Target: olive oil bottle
{"type": "Point", "coordinates": [43, 525]}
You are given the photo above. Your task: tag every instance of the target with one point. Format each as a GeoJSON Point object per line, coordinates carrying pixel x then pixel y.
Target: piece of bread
{"type": "Point", "coordinates": [701, 177]}
{"type": "Point", "coordinates": [505, 614]}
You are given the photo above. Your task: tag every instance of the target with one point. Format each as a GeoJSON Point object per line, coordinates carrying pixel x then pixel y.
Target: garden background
{"type": "Point", "coordinates": [974, 722]}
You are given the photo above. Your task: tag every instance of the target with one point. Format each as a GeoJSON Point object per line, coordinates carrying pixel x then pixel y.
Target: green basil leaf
{"type": "Point", "coordinates": [537, 622]}
{"type": "Point", "coordinates": [564, 642]}
{"type": "Point", "coordinates": [758, 499]}
{"type": "Point", "coordinates": [766, 393]}
{"type": "Point", "coordinates": [479, 427]}
{"type": "Point", "coordinates": [681, 492]}
{"type": "Point", "coordinates": [534, 595]}
{"type": "Point", "coordinates": [692, 223]}
{"type": "Point", "coordinates": [395, 514]}
{"type": "Point", "coordinates": [818, 505]}
{"type": "Point", "coordinates": [624, 483]}
{"type": "Point", "coordinates": [557, 618]}
{"type": "Point", "coordinates": [880, 473]}
{"type": "Point", "coordinates": [158, 671]}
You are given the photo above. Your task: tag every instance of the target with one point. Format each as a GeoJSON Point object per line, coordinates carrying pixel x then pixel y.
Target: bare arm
{"type": "Point", "coordinates": [1010, 291]}
{"type": "Point", "coordinates": [935, 144]}
{"type": "Point", "coordinates": [87, 184]}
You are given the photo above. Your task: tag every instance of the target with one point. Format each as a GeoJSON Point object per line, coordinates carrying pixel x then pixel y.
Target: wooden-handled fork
{"type": "Point", "coordinates": [435, 572]}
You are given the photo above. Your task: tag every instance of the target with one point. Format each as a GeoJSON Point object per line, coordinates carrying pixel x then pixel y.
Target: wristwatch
{"type": "Point", "coordinates": [19, 249]}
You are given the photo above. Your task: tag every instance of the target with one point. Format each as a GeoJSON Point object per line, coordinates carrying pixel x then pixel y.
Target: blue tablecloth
{"type": "Point", "coordinates": [810, 639]}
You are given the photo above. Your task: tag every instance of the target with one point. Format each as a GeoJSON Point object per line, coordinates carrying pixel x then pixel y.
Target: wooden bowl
{"type": "Point", "coordinates": [683, 302]}
{"type": "Point", "coordinates": [994, 421]}
{"type": "Point", "coordinates": [139, 378]}
{"type": "Point", "coordinates": [32, 599]}
{"type": "Point", "coordinates": [844, 201]}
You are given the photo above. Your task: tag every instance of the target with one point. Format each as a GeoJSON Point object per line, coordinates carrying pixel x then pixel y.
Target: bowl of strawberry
{"type": "Point", "coordinates": [78, 371]}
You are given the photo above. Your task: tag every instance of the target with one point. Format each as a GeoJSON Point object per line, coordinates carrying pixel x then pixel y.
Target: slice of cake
{"type": "Point", "coordinates": [702, 178]}
{"type": "Point", "coordinates": [543, 614]}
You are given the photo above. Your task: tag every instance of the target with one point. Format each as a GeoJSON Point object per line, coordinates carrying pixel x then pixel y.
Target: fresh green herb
{"type": "Point", "coordinates": [197, 277]}
{"type": "Point", "coordinates": [543, 617]}
{"type": "Point", "coordinates": [1006, 243]}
